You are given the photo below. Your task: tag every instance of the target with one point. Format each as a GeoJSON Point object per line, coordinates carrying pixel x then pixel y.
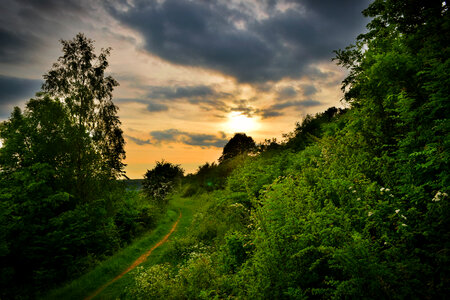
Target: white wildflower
{"type": "Point", "coordinates": [387, 190]}
{"type": "Point", "coordinates": [392, 196]}
{"type": "Point", "coordinates": [404, 225]}
{"type": "Point", "coordinates": [397, 211]}
{"type": "Point", "coordinates": [370, 213]}
{"type": "Point", "coordinates": [354, 191]}
{"type": "Point", "coordinates": [403, 217]}
{"type": "Point", "coordinates": [358, 199]}
{"type": "Point", "coordinates": [382, 189]}
{"type": "Point", "coordinates": [437, 197]}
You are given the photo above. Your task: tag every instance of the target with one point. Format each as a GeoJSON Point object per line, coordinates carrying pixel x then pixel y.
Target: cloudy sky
{"type": "Point", "coordinates": [191, 73]}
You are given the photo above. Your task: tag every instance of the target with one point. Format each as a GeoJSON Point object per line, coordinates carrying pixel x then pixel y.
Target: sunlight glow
{"type": "Point", "coordinates": [239, 122]}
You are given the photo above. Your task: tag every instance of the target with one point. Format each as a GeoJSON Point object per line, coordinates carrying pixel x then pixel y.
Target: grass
{"type": "Point", "coordinates": [110, 268]}
{"type": "Point", "coordinates": [185, 205]}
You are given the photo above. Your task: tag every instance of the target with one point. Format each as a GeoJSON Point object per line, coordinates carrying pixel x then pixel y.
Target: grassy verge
{"type": "Point", "coordinates": [110, 268]}
{"type": "Point", "coordinates": [186, 206]}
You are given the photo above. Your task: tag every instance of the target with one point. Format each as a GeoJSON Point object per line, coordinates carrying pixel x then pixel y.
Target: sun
{"type": "Point", "coordinates": [239, 122]}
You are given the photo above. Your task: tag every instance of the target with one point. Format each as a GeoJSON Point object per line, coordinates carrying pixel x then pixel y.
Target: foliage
{"type": "Point", "coordinates": [159, 181]}
{"type": "Point", "coordinates": [61, 206]}
{"type": "Point", "coordinates": [355, 204]}
{"type": "Point", "coordinates": [240, 143]}
{"type": "Point", "coordinates": [312, 128]}
{"type": "Point", "coordinates": [78, 80]}
{"type": "Point", "coordinates": [210, 177]}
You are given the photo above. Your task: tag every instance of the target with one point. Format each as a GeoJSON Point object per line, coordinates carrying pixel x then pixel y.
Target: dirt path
{"type": "Point", "coordinates": [138, 261]}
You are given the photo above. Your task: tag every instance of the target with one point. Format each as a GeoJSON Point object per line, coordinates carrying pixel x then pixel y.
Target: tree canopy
{"type": "Point", "coordinates": [58, 164]}
{"type": "Point", "coordinates": [160, 180]}
{"type": "Point", "coordinates": [240, 143]}
{"type": "Point", "coordinates": [78, 80]}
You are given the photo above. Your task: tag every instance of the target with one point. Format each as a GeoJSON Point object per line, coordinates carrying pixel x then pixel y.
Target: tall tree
{"type": "Point", "coordinates": [58, 165]}
{"type": "Point", "coordinates": [78, 79]}
{"type": "Point", "coordinates": [399, 84]}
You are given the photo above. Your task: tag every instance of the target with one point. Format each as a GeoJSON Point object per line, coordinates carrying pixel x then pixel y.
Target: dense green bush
{"type": "Point", "coordinates": [355, 203]}
{"type": "Point", "coordinates": [160, 181]}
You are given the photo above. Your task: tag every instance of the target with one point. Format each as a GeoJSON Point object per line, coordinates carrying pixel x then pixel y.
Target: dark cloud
{"type": "Point", "coordinates": [138, 141]}
{"type": "Point", "coordinates": [14, 91]}
{"type": "Point", "coordinates": [179, 92]}
{"type": "Point", "coordinates": [151, 105]}
{"type": "Point", "coordinates": [210, 104]}
{"type": "Point", "coordinates": [53, 6]}
{"type": "Point", "coordinates": [259, 44]}
{"type": "Point", "coordinates": [13, 47]}
{"type": "Point", "coordinates": [157, 107]}
{"type": "Point", "coordinates": [274, 110]}
{"type": "Point", "coordinates": [243, 106]}
{"type": "Point", "coordinates": [205, 96]}
{"type": "Point", "coordinates": [308, 90]}
{"type": "Point", "coordinates": [192, 139]}
{"type": "Point", "coordinates": [303, 103]}
{"type": "Point", "coordinates": [30, 29]}
{"type": "Point", "coordinates": [287, 92]}
{"type": "Point", "coordinates": [266, 114]}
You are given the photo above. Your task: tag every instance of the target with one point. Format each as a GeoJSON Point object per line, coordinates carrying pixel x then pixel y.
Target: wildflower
{"type": "Point", "coordinates": [437, 197]}
{"type": "Point", "coordinates": [387, 190]}
{"type": "Point", "coordinates": [358, 199]}
{"type": "Point", "coordinates": [354, 191]}
{"type": "Point", "coordinates": [403, 217]}
{"type": "Point", "coordinates": [397, 210]}
{"type": "Point", "coordinates": [382, 189]}
{"type": "Point", "coordinates": [370, 213]}
{"type": "Point", "coordinates": [404, 225]}
{"type": "Point", "coordinates": [350, 187]}
{"type": "Point", "coordinates": [392, 196]}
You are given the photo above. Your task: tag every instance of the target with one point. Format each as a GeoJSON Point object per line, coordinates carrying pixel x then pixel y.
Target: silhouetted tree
{"type": "Point", "coordinates": [239, 144]}
{"type": "Point", "coordinates": [78, 80]}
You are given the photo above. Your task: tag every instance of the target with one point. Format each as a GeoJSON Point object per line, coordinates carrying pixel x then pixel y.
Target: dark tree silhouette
{"type": "Point", "coordinates": [239, 144]}
{"type": "Point", "coordinates": [78, 80]}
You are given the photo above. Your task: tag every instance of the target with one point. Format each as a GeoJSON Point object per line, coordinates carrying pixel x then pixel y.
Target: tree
{"type": "Point", "coordinates": [239, 144]}
{"type": "Point", "coordinates": [406, 52]}
{"type": "Point", "coordinates": [78, 80]}
{"type": "Point", "coordinates": [58, 164]}
{"type": "Point", "coordinates": [398, 87]}
{"type": "Point", "coordinates": [159, 181]}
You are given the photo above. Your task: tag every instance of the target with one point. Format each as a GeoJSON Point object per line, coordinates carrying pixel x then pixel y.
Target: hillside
{"type": "Point", "coordinates": [353, 203]}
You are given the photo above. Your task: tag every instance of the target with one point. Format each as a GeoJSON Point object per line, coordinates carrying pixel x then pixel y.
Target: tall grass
{"type": "Point", "coordinates": [110, 268]}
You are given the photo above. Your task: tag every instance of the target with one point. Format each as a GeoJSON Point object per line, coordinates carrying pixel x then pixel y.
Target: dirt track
{"type": "Point", "coordinates": [138, 261]}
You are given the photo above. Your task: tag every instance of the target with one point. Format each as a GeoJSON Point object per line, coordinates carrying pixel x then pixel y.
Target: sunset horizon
{"type": "Point", "coordinates": [191, 74]}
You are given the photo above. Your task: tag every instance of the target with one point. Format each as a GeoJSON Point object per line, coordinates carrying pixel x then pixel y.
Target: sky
{"type": "Point", "coordinates": [191, 73]}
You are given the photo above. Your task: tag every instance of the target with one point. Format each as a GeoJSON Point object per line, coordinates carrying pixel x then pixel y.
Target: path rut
{"type": "Point", "coordinates": [137, 262]}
